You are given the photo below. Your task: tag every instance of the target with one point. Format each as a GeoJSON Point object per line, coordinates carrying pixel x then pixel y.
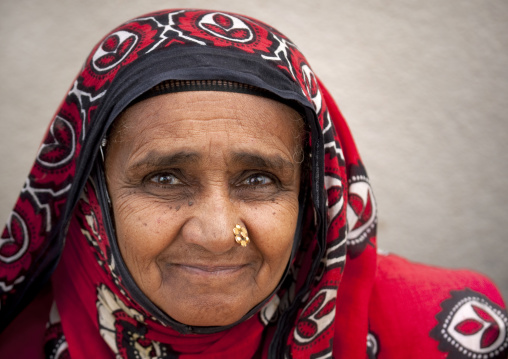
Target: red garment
{"type": "Point", "coordinates": [340, 299]}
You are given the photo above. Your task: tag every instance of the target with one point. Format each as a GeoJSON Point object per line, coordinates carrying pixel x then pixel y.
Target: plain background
{"type": "Point", "coordinates": [423, 85]}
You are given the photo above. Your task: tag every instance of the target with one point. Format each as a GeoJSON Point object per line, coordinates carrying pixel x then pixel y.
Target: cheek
{"type": "Point", "coordinates": [273, 227]}
{"type": "Point", "coordinates": [143, 229]}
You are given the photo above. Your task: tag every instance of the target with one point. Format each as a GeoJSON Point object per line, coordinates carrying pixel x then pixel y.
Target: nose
{"type": "Point", "coordinates": [211, 224]}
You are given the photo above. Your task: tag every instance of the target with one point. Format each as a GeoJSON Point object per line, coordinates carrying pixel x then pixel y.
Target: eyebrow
{"type": "Point", "coordinates": [255, 160]}
{"type": "Point", "coordinates": [155, 159]}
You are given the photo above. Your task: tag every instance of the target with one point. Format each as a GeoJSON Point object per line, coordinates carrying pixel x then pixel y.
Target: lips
{"type": "Point", "coordinates": [208, 270]}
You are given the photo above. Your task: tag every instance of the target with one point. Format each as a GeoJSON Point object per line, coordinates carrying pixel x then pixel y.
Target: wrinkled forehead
{"type": "Point", "coordinates": [169, 113]}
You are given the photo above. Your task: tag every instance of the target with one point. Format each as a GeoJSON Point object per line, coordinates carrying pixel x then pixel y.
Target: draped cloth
{"type": "Point", "coordinates": [340, 297]}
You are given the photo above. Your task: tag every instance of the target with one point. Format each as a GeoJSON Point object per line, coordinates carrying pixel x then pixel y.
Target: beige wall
{"type": "Point", "coordinates": [424, 86]}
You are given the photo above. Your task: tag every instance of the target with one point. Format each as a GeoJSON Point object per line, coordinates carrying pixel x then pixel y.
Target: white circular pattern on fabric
{"type": "Point", "coordinates": [114, 48]}
{"type": "Point", "coordinates": [226, 27]}
{"type": "Point", "coordinates": [59, 127]}
{"type": "Point", "coordinates": [320, 318]}
{"type": "Point", "coordinates": [476, 329]}
{"type": "Point", "coordinates": [363, 192]}
{"type": "Point", "coordinates": [333, 184]}
{"type": "Point", "coordinates": [25, 240]}
{"type": "Point", "coordinates": [111, 309]}
{"type": "Point", "coordinates": [312, 87]}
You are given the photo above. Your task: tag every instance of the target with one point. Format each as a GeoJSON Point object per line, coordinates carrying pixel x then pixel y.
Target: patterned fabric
{"type": "Point", "coordinates": [323, 308]}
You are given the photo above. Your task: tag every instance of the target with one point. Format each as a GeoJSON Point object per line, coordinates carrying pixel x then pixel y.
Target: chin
{"type": "Point", "coordinates": [209, 317]}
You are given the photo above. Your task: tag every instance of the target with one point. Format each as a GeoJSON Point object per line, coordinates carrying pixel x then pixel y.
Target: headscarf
{"type": "Point", "coordinates": [61, 228]}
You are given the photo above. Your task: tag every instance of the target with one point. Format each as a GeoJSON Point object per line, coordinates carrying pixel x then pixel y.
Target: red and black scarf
{"type": "Point", "coordinates": [340, 298]}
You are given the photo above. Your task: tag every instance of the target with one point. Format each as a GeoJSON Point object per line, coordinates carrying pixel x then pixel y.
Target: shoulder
{"type": "Point", "coordinates": [440, 313]}
{"type": "Point", "coordinates": [420, 280]}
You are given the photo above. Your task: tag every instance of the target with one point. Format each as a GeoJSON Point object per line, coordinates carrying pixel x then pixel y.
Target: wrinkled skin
{"type": "Point", "coordinates": [182, 170]}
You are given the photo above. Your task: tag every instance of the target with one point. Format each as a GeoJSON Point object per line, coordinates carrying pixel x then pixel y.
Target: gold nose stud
{"type": "Point", "coordinates": [241, 235]}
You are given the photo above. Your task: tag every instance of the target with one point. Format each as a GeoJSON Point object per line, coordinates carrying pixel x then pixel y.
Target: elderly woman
{"type": "Point", "coordinates": [198, 195]}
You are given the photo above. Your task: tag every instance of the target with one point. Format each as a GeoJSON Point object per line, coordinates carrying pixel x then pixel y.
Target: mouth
{"type": "Point", "coordinates": [209, 270]}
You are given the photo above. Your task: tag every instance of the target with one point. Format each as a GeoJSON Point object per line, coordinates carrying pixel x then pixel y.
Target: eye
{"type": "Point", "coordinates": [257, 179]}
{"type": "Point", "coordinates": [165, 179]}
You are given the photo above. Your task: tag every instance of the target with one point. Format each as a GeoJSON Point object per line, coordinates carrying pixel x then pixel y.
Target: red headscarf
{"type": "Point", "coordinates": [340, 298]}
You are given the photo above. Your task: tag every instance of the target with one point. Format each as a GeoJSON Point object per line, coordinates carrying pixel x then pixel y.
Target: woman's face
{"type": "Point", "coordinates": [182, 170]}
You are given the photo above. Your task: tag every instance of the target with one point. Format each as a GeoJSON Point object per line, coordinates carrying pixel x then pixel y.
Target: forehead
{"type": "Point", "coordinates": [175, 114]}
